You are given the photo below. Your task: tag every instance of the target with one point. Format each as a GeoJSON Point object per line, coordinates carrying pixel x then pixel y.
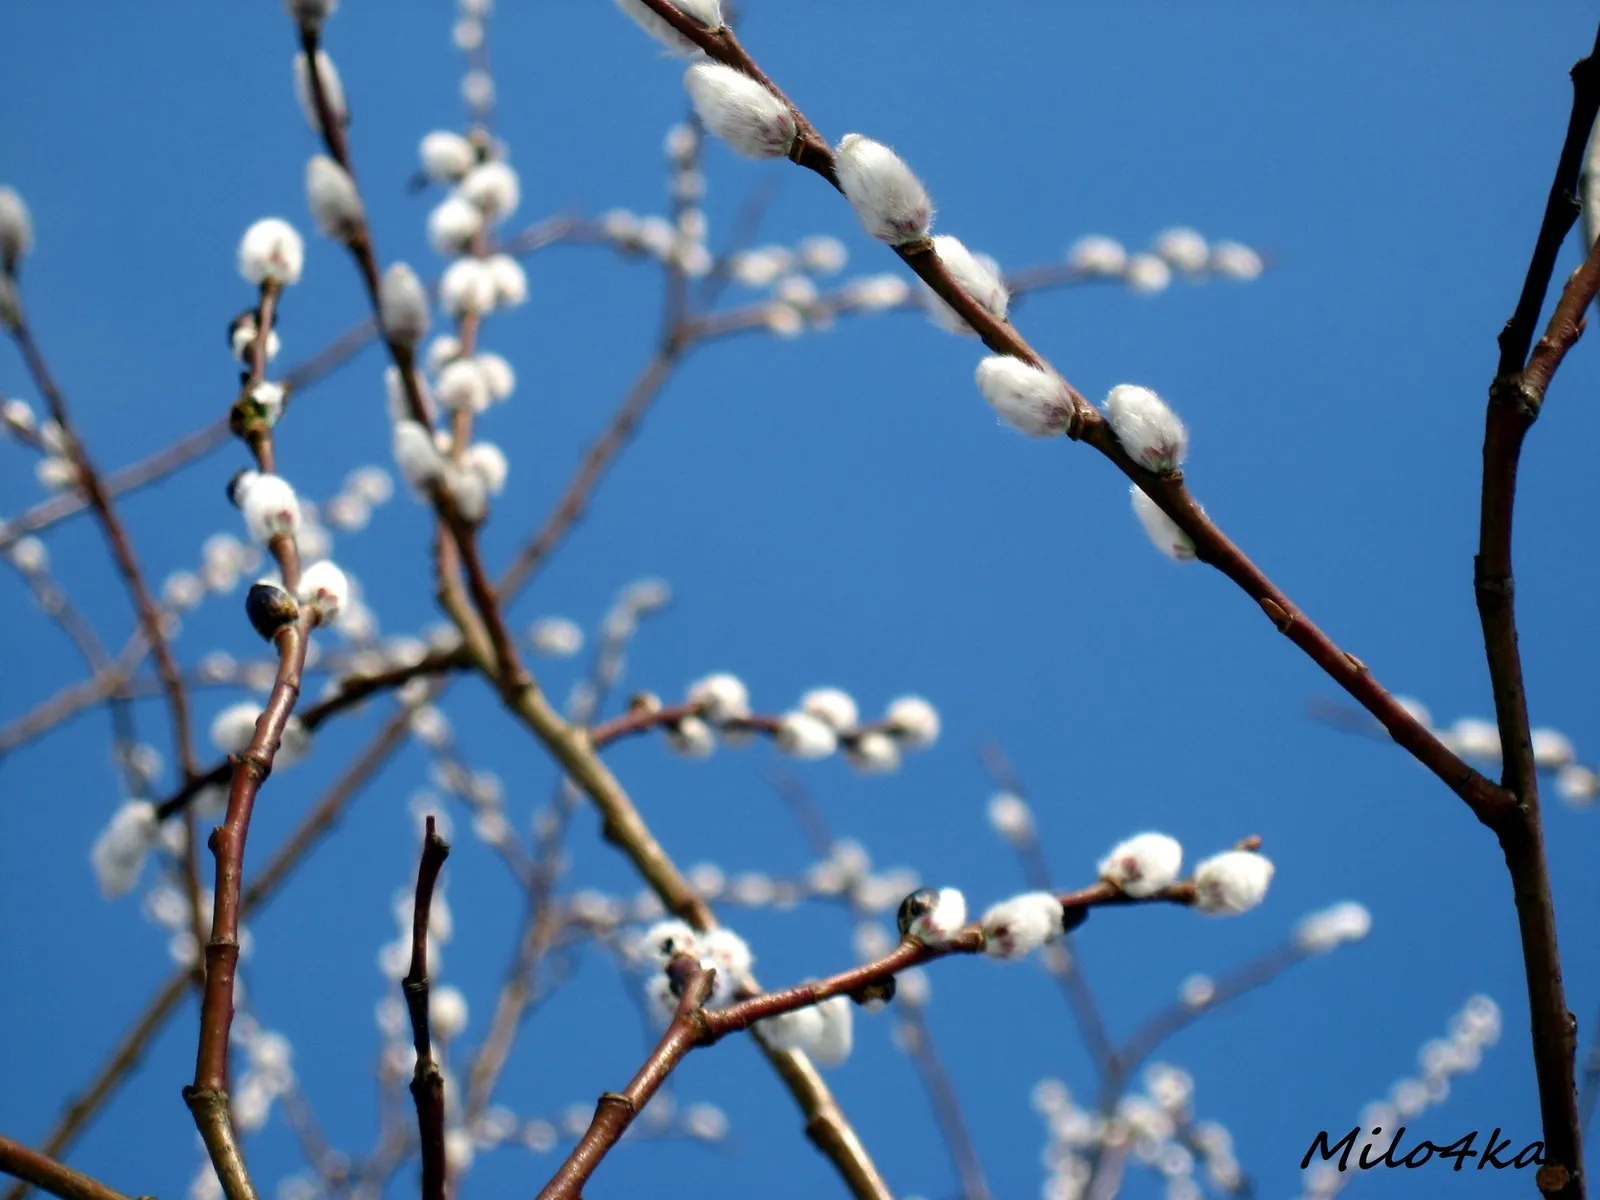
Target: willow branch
{"type": "Point", "coordinates": [916, 1041]}
{"type": "Point", "coordinates": [55, 1178]}
{"type": "Point", "coordinates": [617, 1110]}
{"type": "Point", "coordinates": [1169, 492]}
{"type": "Point", "coordinates": [1515, 399]}
{"type": "Point", "coordinates": [427, 1081]}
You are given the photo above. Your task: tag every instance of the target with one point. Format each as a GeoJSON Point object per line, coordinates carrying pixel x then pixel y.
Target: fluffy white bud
{"type": "Point", "coordinates": [1143, 865]}
{"type": "Point", "coordinates": [1010, 817]}
{"type": "Point", "coordinates": [1234, 261]}
{"type": "Point", "coordinates": [703, 12]}
{"type": "Point", "coordinates": [488, 462]}
{"type": "Point", "coordinates": [1162, 529]}
{"type": "Point", "coordinates": [29, 555]}
{"type": "Point", "coordinates": [335, 202]}
{"type": "Point", "coordinates": [664, 940]}
{"type": "Point", "coordinates": [269, 505]}
{"type": "Point", "coordinates": [823, 254]}
{"type": "Point", "coordinates": [18, 417]}
{"type": "Point", "coordinates": [332, 90]}
{"type": "Point", "coordinates": [497, 375]}
{"type": "Point", "coordinates": [326, 588]}
{"type": "Point", "coordinates": [913, 721]}
{"type": "Point", "coordinates": [740, 111]}
{"type": "Point", "coordinates": [1026, 398]}
{"type": "Point", "coordinates": [889, 199]}
{"type": "Point", "coordinates": [271, 249]}
{"type": "Point", "coordinates": [692, 738]}
{"type": "Point", "coordinates": [452, 226]}
{"type": "Point", "coordinates": [1552, 749]}
{"type": "Point", "coordinates": [16, 228]}
{"type": "Point", "coordinates": [466, 286]}
{"type": "Point", "coordinates": [1096, 255]}
{"type": "Point", "coordinates": [1147, 274]}
{"type": "Point", "coordinates": [1234, 881]}
{"type": "Point", "coordinates": [720, 697]}
{"type": "Point", "coordinates": [416, 454]}
{"type": "Point", "coordinates": [831, 706]}
{"type": "Point", "coordinates": [1474, 737]}
{"type": "Point", "coordinates": [234, 726]}
{"type": "Point", "coordinates": [403, 305]}
{"type": "Point", "coordinates": [510, 280]}
{"type": "Point", "coordinates": [979, 276]}
{"type": "Point", "coordinates": [445, 156]}
{"type": "Point", "coordinates": [874, 753]}
{"type": "Point", "coordinates": [118, 853]}
{"type": "Point", "coordinates": [933, 917]}
{"type": "Point", "coordinates": [469, 492]}
{"type": "Point", "coordinates": [1578, 785]}
{"type": "Point", "coordinates": [493, 189]}
{"type": "Point", "coordinates": [267, 399]}
{"type": "Point", "coordinates": [1022, 924]}
{"type": "Point", "coordinates": [1322, 931]}
{"type": "Point", "coordinates": [1184, 249]}
{"type": "Point", "coordinates": [461, 386]}
{"type": "Point", "coordinates": [729, 955]}
{"type": "Point", "coordinates": [555, 636]}
{"type": "Point", "coordinates": [447, 1012]}
{"type": "Point", "coordinates": [803, 736]}
{"type": "Point", "coordinates": [823, 1032]}
{"type": "Point", "coordinates": [242, 338]}
{"type": "Point", "coordinates": [1149, 431]}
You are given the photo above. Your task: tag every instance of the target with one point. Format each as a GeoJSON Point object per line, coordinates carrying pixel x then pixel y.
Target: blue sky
{"type": "Point", "coordinates": [841, 508]}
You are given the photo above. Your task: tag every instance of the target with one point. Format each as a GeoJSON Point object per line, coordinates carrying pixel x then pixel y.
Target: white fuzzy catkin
{"type": "Point", "coordinates": [1232, 260]}
{"type": "Point", "coordinates": [1589, 188]}
{"type": "Point", "coordinates": [913, 721]}
{"type": "Point", "coordinates": [509, 279]}
{"type": "Point", "coordinates": [493, 188]}
{"type": "Point", "coordinates": [1184, 249]}
{"type": "Point", "coordinates": [740, 111]}
{"type": "Point", "coordinates": [16, 229]}
{"type": "Point", "coordinates": [269, 505]}
{"type": "Point", "coordinates": [1234, 881]}
{"type": "Point", "coordinates": [233, 728]}
{"type": "Point", "coordinates": [1320, 932]}
{"type": "Point", "coordinates": [1149, 431]}
{"type": "Point", "coordinates": [702, 12]}
{"type": "Point", "coordinates": [691, 737]}
{"type": "Point", "coordinates": [462, 386]}
{"type": "Point", "coordinates": [466, 286]}
{"type": "Point", "coordinates": [271, 249]}
{"type": "Point", "coordinates": [942, 921]}
{"type": "Point", "coordinates": [335, 202]}
{"type": "Point", "coordinates": [1029, 399]}
{"type": "Point", "coordinates": [1144, 864]}
{"type": "Point", "coordinates": [1552, 749]}
{"type": "Point", "coordinates": [1010, 817]}
{"type": "Point", "coordinates": [452, 226]}
{"type": "Point", "coordinates": [873, 753]}
{"type": "Point", "coordinates": [889, 199]}
{"type": "Point", "coordinates": [447, 1012]}
{"type": "Point", "coordinates": [403, 305]}
{"type": "Point", "coordinates": [979, 276]}
{"type": "Point", "coordinates": [832, 706]}
{"type": "Point", "coordinates": [720, 697]}
{"type": "Point", "coordinates": [332, 91]}
{"type": "Point", "coordinates": [497, 375]}
{"type": "Point", "coordinates": [1022, 924]}
{"type": "Point", "coordinates": [416, 455]}
{"type": "Point", "coordinates": [326, 588]}
{"type": "Point", "coordinates": [803, 736]}
{"type": "Point", "coordinates": [488, 462]}
{"type": "Point", "coordinates": [1097, 255]}
{"type": "Point", "coordinates": [445, 156]}
{"type": "Point", "coordinates": [1162, 529]}
{"type": "Point", "coordinates": [119, 852]}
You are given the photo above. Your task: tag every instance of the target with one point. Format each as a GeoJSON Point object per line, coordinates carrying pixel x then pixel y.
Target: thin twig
{"type": "Point", "coordinates": [55, 1178]}
{"type": "Point", "coordinates": [427, 1081]}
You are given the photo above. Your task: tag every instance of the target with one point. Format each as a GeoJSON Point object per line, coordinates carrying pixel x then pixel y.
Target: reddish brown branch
{"type": "Point", "coordinates": [55, 1178]}
{"type": "Point", "coordinates": [1515, 399]}
{"type": "Point", "coordinates": [617, 1110]}
{"type": "Point", "coordinates": [427, 1081]}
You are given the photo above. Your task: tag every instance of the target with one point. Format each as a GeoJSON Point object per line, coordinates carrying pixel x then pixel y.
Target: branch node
{"type": "Point", "coordinates": [1277, 614]}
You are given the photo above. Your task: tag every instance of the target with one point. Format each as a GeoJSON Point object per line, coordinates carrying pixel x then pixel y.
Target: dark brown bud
{"type": "Point", "coordinates": [270, 608]}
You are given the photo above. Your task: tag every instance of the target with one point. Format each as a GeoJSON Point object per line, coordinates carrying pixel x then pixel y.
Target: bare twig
{"type": "Point", "coordinates": [917, 1042]}
{"type": "Point", "coordinates": [55, 1178]}
{"type": "Point", "coordinates": [427, 1082]}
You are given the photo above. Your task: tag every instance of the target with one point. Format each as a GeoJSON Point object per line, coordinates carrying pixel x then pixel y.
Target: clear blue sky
{"type": "Point", "coordinates": [843, 509]}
